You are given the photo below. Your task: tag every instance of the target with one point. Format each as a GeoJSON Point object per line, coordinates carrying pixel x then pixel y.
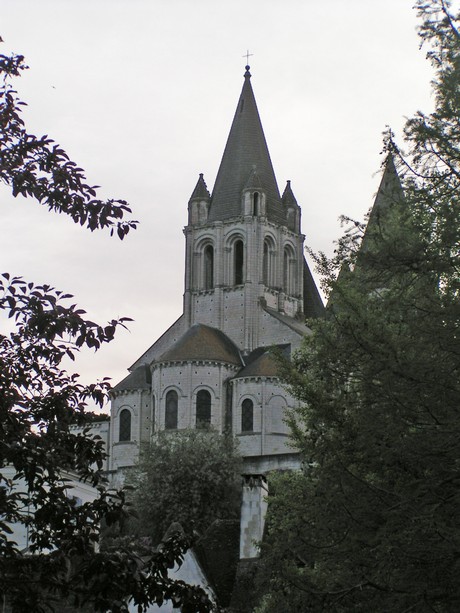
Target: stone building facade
{"type": "Point", "coordinates": [247, 288]}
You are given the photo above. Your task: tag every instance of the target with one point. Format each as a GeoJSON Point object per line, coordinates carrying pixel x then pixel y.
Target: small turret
{"type": "Point", "coordinates": [198, 205]}
{"type": "Point", "coordinates": [292, 208]}
{"type": "Point", "coordinates": [254, 196]}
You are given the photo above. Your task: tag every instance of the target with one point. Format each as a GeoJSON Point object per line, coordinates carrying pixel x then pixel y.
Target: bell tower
{"type": "Point", "coordinates": [244, 247]}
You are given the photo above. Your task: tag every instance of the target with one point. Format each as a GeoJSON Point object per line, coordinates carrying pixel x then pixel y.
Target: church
{"type": "Point", "coordinates": [248, 289]}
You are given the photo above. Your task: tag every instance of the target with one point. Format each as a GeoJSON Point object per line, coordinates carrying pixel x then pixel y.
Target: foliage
{"type": "Point", "coordinates": [39, 401]}
{"type": "Point", "coordinates": [370, 522]}
{"type": "Point", "coordinates": [191, 477]}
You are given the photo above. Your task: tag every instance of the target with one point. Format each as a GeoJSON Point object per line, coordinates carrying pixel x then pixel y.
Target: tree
{"type": "Point", "coordinates": [370, 522]}
{"type": "Point", "coordinates": [191, 477]}
{"type": "Point", "coordinates": [39, 400]}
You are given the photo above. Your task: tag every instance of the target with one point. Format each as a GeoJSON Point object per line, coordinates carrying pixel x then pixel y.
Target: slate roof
{"type": "Point", "coordinates": [312, 302]}
{"type": "Point", "coordinates": [390, 189]}
{"type": "Point", "coordinates": [389, 193]}
{"type": "Point", "coordinates": [262, 363]}
{"type": "Point", "coordinates": [288, 195]}
{"type": "Point", "coordinates": [201, 342]}
{"type": "Point", "coordinates": [296, 325]}
{"type": "Point", "coordinates": [201, 189]}
{"type": "Point", "coordinates": [140, 378]}
{"type": "Point", "coordinates": [246, 150]}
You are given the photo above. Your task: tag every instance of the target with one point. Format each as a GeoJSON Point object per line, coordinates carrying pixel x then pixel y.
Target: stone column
{"type": "Point", "coordinates": [253, 511]}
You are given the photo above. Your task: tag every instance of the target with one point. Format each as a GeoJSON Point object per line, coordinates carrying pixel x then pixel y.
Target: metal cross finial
{"type": "Point", "coordinates": [247, 55]}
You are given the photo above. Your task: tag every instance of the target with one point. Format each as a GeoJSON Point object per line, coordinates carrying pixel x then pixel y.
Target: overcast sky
{"type": "Point", "coordinates": [141, 94]}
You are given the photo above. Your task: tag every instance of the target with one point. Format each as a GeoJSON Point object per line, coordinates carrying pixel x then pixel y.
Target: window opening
{"type": "Point", "coordinates": [171, 410]}
{"type": "Point", "coordinates": [288, 272]}
{"type": "Point", "coordinates": [247, 416]}
{"type": "Point", "coordinates": [238, 262]}
{"type": "Point", "coordinates": [203, 409]}
{"type": "Point", "coordinates": [265, 276]}
{"type": "Point", "coordinates": [256, 204]}
{"type": "Point", "coordinates": [209, 267]}
{"type": "Point", "coordinates": [125, 426]}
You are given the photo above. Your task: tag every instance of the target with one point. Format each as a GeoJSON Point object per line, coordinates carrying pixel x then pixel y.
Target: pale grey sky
{"type": "Point", "coordinates": [141, 94]}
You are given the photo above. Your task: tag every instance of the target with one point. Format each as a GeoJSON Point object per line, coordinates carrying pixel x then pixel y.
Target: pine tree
{"type": "Point", "coordinates": [371, 521]}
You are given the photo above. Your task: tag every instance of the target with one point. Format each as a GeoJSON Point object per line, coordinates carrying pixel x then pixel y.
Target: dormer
{"type": "Point", "coordinates": [254, 197]}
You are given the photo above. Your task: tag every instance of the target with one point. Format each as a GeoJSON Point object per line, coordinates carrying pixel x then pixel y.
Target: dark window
{"type": "Point", "coordinates": [238, 262]}
{"type": "Point", "coordinates": [171, 410]}
{"type": "Point", "coordinates": [256, 204]}
{"type": "Point", "coordinates": [203, 409]}
{"type": "Point", "coordinates": [209, 267]}
{"type": "Point", "coordinates": [287, 272]}
{"type": "Point", "coordinates": [247, 416]}
{"type": "Point", "coordinates": [125, 425]}
{"type": "Point", "coordinates": [265, 264]}
{"type": "Point", "coordinates": [153, 414]}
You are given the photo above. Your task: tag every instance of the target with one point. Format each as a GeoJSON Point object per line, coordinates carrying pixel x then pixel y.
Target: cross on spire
{"type": "Point", "coordinates": [247, 55]}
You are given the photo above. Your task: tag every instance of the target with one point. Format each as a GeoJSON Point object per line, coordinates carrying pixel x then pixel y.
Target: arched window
{"type": "Point", "coordinates": [203, 409]}
{"type": "Point", "coordinates": [238, 262]}
{"type": "Point", "coordinates": [247, 416]}
{"type": "Point", "coordinates": [209, 267]}
{"type": "Point", "coordinates": [124, 433]}
{"type": "Point", "coordinates": [171, 410]}
{"type": "Point", "coordinates": [255, 209]}
{"type": "Point", "coordinates": [265, 264]}
{"type": "Point", "coordinates": [288, 271]}
{"type": "Point", "coordinates": [268, 263]}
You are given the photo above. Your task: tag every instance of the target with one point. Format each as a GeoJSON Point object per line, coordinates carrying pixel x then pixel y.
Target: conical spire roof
{"type": "Point", "coordinates": [390, 190]}
{"type": "Point", "coordinates": [201, 189]}
{"type": "Point", "coordinates": [246, 147]}
{"type": "Point", "coordinates": [288, 195]}
{"type": "Point", "coordinates": [389, 193]}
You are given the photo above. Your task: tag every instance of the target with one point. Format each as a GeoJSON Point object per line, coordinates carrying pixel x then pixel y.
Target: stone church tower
{"type": "Point", "coordinates": [247, 288]}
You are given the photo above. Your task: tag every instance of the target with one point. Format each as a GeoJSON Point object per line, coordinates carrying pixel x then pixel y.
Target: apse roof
{"type": "Point", "coordinates": [140, 378]}
{"type": "Point", "coordinates": [246, 151]}
{"type": "Point", "coordinates": [201, 342]}
{"type": "Point", "coordinates": [262, 362]}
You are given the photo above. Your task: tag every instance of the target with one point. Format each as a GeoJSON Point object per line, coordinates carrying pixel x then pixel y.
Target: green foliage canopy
{"type": "Point", "coordinates": [192, 477]}
{"type": "Point", "coordinates": [371, 521]}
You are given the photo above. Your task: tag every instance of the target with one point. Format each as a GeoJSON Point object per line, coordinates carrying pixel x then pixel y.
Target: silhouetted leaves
{"type": "Point", "coordinates": [41, 403]}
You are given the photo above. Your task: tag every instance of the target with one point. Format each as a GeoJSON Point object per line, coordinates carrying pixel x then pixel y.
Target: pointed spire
{"type": "Point", "coordinates": [245, 147]}
{"type": "Point", "coordinates": [201, 189]}
{"type": "Point", "coordinates": [389, 194]}
{"type": "Point", "coordinates": [288, 195]}
{"type": "Point", "coordinates": [390, 190]}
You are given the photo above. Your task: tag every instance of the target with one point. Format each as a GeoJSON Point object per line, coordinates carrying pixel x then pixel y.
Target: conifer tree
{"type": "Point", "coordinates": [370, 522]}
